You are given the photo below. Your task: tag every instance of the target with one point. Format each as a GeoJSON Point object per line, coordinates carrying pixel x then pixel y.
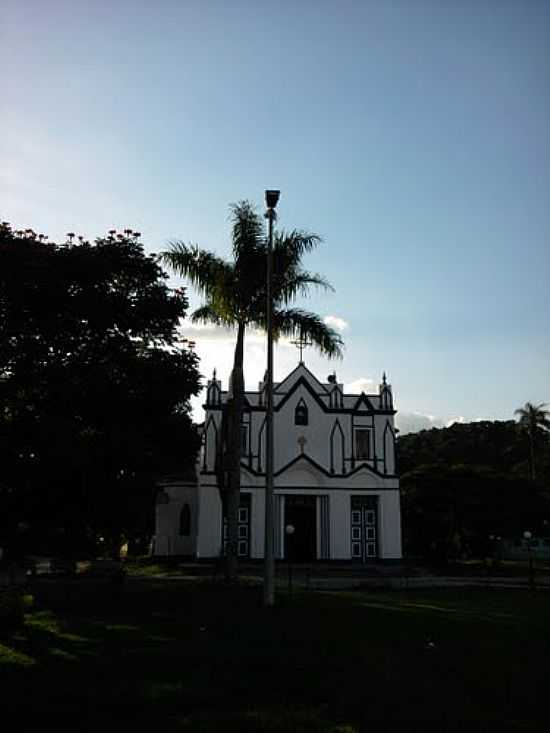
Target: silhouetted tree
{"type": "Point", "coordinates": [534, 419]}
{"type": "Point", "coordinates": [463, 483]}
{"type": "Point", "coordinates": [94, 384]}
{"type": "Point", "coordinates": [235, 296]}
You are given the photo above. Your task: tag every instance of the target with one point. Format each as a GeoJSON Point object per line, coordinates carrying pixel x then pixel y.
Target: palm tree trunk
{"type": "Point", "coordinates": [233, 453]}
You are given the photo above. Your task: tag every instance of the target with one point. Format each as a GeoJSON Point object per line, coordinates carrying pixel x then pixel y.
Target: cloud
{"type": "Point", "coordinates": [363, 384]}
{"type": "Point", "coordinates": [215, 348]}
{"type": "Point", "coordinates": [453, 420]}
{"type": "Point", "coordinates": [413, 422]}
{"type": "Point", "coordinates": [208, 332]}
{"type": "Point", "coordinates": [337, 323]}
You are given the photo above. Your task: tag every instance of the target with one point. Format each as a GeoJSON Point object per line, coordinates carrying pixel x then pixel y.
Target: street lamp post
{"type": "Point", "coordinates": [289, 530]}
{"type": "Point", "coordinates": [489, 560]}
{"type": "Point", "coordinates": [271, 199]}
{"type": "Point", "coordinates": [527, 537]}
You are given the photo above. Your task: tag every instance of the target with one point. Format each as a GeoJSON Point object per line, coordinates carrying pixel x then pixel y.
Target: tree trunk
{"type": "Point", "coordinates": [233, 455]}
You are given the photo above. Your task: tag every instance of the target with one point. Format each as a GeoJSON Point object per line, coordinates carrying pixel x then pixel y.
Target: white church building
{"type": "Point", "coordinates": [335, 478]}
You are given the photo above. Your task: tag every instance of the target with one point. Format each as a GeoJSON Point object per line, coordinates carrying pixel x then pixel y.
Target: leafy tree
{"type": "Point", "coordinates": [534, 419]}
{"type": "Point", "coordinates": [94, 385]}
{"type": "Point", "coordinates": [449, 511]}
{"type": "Point", "coordinates": [463, 483]}
{"type": "Point", "coordinates": [235, 295]}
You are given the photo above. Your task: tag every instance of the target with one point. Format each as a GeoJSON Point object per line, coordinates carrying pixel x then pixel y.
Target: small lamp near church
{"type": "Point", "coordinates": [527, 537]}
{"type": "Point", "coordinates": [289, 531]}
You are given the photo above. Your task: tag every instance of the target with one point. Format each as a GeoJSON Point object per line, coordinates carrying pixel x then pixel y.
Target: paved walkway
{"type": "Point", "coordinates": [317, 576]}
{"type": "Point", "coordinates": [347, 577]}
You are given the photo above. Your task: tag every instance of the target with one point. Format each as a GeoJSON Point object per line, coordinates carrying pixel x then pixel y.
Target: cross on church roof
{"type": "Point", "coordinates": [301, 342]}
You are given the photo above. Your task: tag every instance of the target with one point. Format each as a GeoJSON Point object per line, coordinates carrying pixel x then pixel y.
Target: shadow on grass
{"type": "Point", "coordinates": [196, 657]}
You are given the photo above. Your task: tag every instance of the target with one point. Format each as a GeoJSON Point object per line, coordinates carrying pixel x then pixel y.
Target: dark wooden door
{"type": "Point", "coordinates": [300, 512]}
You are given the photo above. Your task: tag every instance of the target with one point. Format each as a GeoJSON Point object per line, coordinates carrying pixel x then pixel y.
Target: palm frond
{"type": "Point", "coordinates": [291, 246]}
{"type": "Point", "coordinates": [207, 314]}
{"type": "Point", "coordinates": [206, 271]}
{"type": "Point", "coordinates": [288, 286]}
{"type": "Point", "coordinates": [534, 417]}
{"type": "Point", "coordinates": [248, 235]}
{"type": "Point", "coordinates": [235, 292]}
{"type": "Point", "coordinates": [297, 322]}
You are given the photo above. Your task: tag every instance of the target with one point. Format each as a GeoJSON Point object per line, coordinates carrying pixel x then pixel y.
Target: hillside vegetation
{"type": "Point", "coordinates": [462, 484]}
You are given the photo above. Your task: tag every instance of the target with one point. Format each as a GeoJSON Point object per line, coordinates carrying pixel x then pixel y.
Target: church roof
{"type": "Point", "coordinates": [321, 391]}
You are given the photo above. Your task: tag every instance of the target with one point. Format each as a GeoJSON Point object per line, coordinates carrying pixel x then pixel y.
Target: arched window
{"type": "Point", "coordinates": [185, 521]}
{"type": "Point", "coordinates": [300, 414]}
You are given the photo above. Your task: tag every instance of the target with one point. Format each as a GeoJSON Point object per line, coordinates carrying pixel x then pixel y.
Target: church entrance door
{"type": "Point", "coordinates": [301, 513]}
{"type": "Point", "coordinates": [364, 528]}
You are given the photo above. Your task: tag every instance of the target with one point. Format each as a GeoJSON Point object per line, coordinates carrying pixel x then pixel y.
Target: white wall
{"type": "Point", "coordinates": [303, 476]}
{"type": "Point", "coordinates": [210, 522]}
{"type": "Point", "coordinates": [390, 525]}
{"type": "Point", "coordinates": [340, 525]}
{"type": "Point", "coordinates": [316, 432]}
{"type": "Point", "coordinates": [257, 523]}
{"type": "Point", "coordinates": [168, 541]}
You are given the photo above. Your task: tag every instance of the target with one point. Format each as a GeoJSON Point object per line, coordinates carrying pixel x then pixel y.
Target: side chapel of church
{"type": "Point", "coordinates": [335, 479]}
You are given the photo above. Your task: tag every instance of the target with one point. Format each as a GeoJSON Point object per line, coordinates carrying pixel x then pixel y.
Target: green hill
{"type": "Point", "coordinates": [462, 484]}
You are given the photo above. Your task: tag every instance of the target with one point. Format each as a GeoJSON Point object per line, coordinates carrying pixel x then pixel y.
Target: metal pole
{"type": "Point", "coordinates": [531, 573]}
{"type": "Point", "coordinates": [289, 577]}
{"type": "Point", "coordinates": [269, 562]}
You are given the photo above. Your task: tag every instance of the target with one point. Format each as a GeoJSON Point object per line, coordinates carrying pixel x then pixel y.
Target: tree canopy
{"type": "Point", "coordinates": [534, 420]}
{"type": "Point", "coordinates": [462, 484]}
{"type": "Point", "coordinates": [94, 386]}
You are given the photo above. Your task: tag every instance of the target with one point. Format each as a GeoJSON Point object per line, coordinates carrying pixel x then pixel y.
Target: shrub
{"type": "Point", "coordinates": [12, 608]}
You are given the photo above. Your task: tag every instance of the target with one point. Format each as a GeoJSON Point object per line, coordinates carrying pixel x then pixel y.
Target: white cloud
{"type": "Point", "coordinates": [363, 384]}
{"type": "Point", "coordinates": [413, 422]}
{"type": "Point", "coordinates": [208, 332]}
{"type": "Point", "coordinates": [215, 348]}
{"type": "Point", "coordinates": [453, 420]}
{"type": "Point", "coordinates": [337, 323]}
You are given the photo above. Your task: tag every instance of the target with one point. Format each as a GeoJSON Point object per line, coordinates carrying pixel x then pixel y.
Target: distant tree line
{"type": "Point", "coordinates": [95, 384]}
{"type": "Point", "coordinates": [462, 484]}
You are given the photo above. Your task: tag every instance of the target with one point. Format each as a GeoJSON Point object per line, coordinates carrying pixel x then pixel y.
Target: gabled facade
{"type": "Point", "coordinates": [335, 479]}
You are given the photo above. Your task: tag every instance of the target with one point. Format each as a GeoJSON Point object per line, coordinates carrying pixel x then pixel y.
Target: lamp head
{"type": "Point", "coordinates": [289, 529]}
{"type": "Point", "coordinates": [272, 198]}
{"type": "Point", "coordinates": [527, 535]}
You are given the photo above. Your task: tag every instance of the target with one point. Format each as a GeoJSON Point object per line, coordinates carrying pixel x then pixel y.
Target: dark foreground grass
{"type": "Point", "coordinates": [178, 656]}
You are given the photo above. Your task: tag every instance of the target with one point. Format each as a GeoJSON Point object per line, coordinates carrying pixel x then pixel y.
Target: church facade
{"type": "Point", "coordinates": [335, 480]}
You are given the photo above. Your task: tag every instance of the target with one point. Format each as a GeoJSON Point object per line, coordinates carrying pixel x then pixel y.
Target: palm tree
{"type": "Point", "coordinates": [534, 419]}
{"type": "Point", "coordinates": [235, 296]}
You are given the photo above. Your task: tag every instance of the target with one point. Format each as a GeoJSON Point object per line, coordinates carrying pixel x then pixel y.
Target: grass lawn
{"type": "Point", "coordinates": [185, 656]}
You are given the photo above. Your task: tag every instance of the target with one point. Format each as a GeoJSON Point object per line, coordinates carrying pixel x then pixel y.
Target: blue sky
{"type": "Point", "coordinates": [413, 136]}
